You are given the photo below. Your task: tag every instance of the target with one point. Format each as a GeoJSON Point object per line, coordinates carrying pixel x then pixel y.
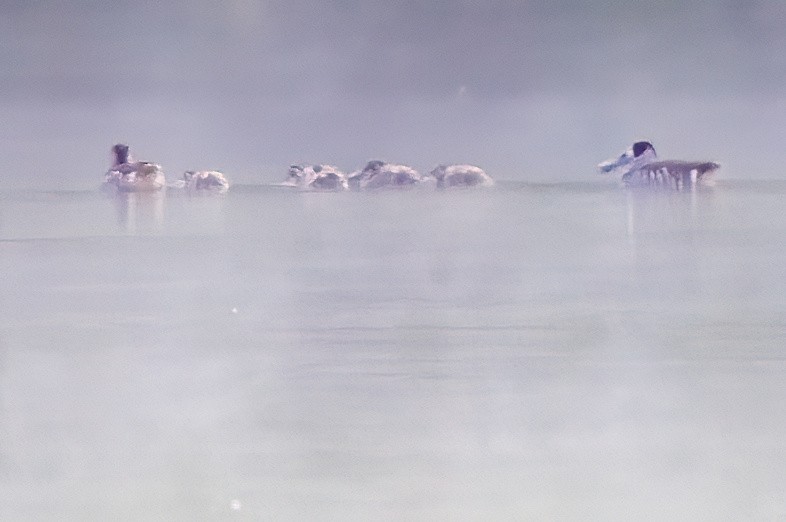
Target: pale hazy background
{"type": "Point", "coordinates": [530, 90]}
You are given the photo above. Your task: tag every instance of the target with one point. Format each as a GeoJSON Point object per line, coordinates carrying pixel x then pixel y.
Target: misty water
{"type": "Point", "coordinates": [565, 351]}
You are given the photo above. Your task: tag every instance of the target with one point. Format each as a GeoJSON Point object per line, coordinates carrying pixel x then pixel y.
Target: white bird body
{"type": "Point", "coordinates": [448, 176]}
{"type": "Point", "coordinates": [205, 180]}
{"type": "Point", "coordinates": [316, 177]}
{"type": "Point", "coordinates": [379, 174]}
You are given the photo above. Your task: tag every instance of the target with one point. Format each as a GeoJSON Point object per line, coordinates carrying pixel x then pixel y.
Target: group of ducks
{"type": "Point", "coordinates": [638, 165]}
{"type": "Point", "coordinates": [127, 175]}
{"type": "Point", "coordinates": [379, 174]}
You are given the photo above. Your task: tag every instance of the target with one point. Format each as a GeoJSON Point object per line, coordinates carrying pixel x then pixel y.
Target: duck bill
{"type": "Point", "coordinates": [616, 163]}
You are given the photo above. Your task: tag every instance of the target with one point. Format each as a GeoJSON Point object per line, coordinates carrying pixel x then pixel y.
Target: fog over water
{"type": "Point", "coordinates": [526, 352]}
{"type": "Point", "coordinates": [528, 90]}
{"type": "Point", "coordinates": [556, 347]}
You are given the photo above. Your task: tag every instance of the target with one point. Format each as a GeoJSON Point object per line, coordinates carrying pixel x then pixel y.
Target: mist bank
{"type": "Point", "coordinates": [537, 138]}
{"type": "Point", "coordinates": [536, 91]}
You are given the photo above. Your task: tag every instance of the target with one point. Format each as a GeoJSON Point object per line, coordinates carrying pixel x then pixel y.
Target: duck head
{"type": "Point", "coordinates": [120, 154]}
{"type": "Point", "coordinates": [638, 154]}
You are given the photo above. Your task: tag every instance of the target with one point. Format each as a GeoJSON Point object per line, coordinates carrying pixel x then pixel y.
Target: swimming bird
{"type": "Point", "coordinates": [379, 174]}
{"type": "Point", "coordinates": [461, 176]}
{"type": "Point", "coordinates": [127, 175]}
{"type": "Point", "coordinates": [316, 177]}
{"type": "Point", "coordinates": [639, 165]}
{"type": "Point", "coordinates": [205, 180]}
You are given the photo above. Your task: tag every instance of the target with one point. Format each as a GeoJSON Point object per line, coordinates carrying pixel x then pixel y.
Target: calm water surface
{"type": "Point", "coordinates": [532, 352]}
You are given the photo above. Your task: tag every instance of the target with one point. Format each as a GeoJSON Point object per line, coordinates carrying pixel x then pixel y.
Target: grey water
{"type": "Point", "coordinates": [563, 351]}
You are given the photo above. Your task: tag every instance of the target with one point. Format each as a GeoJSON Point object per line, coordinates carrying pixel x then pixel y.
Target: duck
{"type": "Point", "coordinates": [205, 180]}
{"type": "Point", "coordinates": [378, 174]}
{"type": "Point", "coordinates": [127, 175]}
{"type": "Point", "coordinates": [449, 176]}
{"type": "Point", "coordinates": [316, 177]}
{"type": "Point", "coordinates": [640, 165]}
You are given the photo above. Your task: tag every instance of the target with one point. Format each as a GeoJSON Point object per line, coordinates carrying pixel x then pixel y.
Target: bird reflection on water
{"type": "Point", "coordinates": [140, 212]}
